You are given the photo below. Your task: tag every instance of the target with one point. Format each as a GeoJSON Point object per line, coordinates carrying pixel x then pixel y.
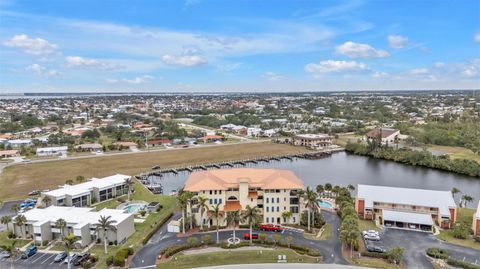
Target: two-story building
{"type": "Point", "coordinates": [273, 191]}
{"type": "Point", "coordinates": [387, 135]}
{"type": "Point", "coordinates": [405, 207]}
{"type": "Point", "coordinates": [476, 221]}
{"type": "Point", "coordinates": [90, 192]}
{"type": "Point", "coordinates": [312, 140]}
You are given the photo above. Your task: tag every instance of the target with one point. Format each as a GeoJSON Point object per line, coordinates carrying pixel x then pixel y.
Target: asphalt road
{"type": "Point", "coordinates": [39, 260]}
{"type": "Point", "coordinates": [6, 209]}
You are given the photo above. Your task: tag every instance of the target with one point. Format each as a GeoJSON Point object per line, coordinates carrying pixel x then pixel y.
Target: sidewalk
{"type": "Point", "coordinates": [218, 249]}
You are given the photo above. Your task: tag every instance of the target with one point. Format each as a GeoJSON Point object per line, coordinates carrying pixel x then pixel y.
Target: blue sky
{"type": "Point", "coordinates": [202, 45]}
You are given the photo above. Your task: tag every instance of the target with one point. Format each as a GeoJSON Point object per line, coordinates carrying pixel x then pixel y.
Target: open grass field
{"type": "Point", "coordinates": [464, 215]}
{"type": "Point", "coordinates": [182, 261]}
{"type": "Point", "coordinates": [457, 152]}
{"type": "Point", "coordinates": [343, 139]}
{"type": "Point", "coordinates": [23, 178]}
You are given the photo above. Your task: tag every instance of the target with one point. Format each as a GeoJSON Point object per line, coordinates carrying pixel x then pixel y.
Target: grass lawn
{"type": "Point", "coordinates": [233, 257]}
{"type": "Point", "coordinates": [327, 233]}
{"type": "Point", "coordinates": [343, 139]}
{"type": "Point", "coordinates": [373, 263]}
{"type": "Point", "coordinates": [464, 215]}
{"type": "Point", "coordinates": [367, 225]}
{"type": "Point", "coordinates": [457, 152]}
{"type": "Point", "coordinates": [5, 241]}
{"type": "Point", "coordinates": [23, 178]}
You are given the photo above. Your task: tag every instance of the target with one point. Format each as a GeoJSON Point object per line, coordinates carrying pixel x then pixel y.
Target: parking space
{"type": "Point", "coordinates": [39, 260]}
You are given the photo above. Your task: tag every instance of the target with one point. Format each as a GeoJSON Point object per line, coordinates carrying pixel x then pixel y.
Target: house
{"type": "Point", "coordinates": [388, 135]}
{"type": "Point", "coordinates": [212, 138]}
{"type": "Point", "coordinates": [126, 144]}
{"type": "Point", "coordinates": [40, 224]}
{"type": "Point", "coordinates": [312, 140]}
{"type": "Point", "coordinates": [89, 147]}
{"type": "Point", "coordinates": [90, 192]}
{"type": "Point", "coordinates": [476, 221]}
{"type": "Point", "coordinates": [405, 207]}
{"type": "Point", "coordinates": [273, 191]}
{"type": "Point", "coordinates": [253, 132]}
{"type": "Point", "coordinates": [158, 142]}
{"type": "Point", "coordinates": [52, 151]}
{"type": "Point", "coordinates": [18, 143]}
{"type": "Point", "coordinates": [9, 153]}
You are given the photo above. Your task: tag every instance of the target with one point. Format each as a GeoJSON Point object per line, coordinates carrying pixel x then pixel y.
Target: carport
{"type": "Point", "coordinates": [408, 220]}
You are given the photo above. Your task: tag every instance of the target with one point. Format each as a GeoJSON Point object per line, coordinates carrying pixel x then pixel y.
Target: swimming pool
{"type": "Point", "coordinates": [325, 204]}
{"type": "Point", "coordinates": [134, 208]}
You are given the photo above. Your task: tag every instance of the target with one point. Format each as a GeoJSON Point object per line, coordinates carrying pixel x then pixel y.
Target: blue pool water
{"type": "Point", "coordinates": [325, 204]}
{"type": "Point", "coordinates": [134, 208]}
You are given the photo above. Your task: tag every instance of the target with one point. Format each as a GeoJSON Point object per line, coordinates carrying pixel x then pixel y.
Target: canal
{"type": "Point", "coordinates": [343, 169]}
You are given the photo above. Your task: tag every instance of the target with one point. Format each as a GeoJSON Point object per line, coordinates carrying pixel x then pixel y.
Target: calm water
{"type": "Point", "coordinates": [343, 169]}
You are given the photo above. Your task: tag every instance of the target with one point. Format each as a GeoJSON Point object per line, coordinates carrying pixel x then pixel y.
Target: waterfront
{"type": "Point", "coordinates": [343, 169]}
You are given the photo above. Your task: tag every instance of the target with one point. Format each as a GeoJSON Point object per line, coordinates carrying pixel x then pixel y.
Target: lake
{"type": "Point", "coordinates": [343, 169]}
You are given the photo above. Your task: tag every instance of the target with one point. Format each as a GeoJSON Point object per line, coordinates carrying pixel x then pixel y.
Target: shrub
{"type": "Point", "coordinates": [109, 260]}
{"type": "Point", "coordinates": [93, 259]}
{"type": "Point", "coordinates": [143, 212]}
{"type": "Point", "coordinates": [119, 261]}
{"type": "Point", "coordinates": [318, 220]}
{"type": "Point", "coordinates": [11, 234]}
{"type": "Point", "coordinates": [395, 255]}
{"type": "Point", "coordinates": [461, 231]}
{"type": "Point", "coordinates": [44, 242]}
{"type": "Point", "coordinates": [374, 255]}
{"type": "Point", "coordinates": [170, 251]}
{"type": "Point", "coordinates": [207, 239]}
{"type": "Point", "coordinates": [477, 239]}
{"type": "Point", "coordinates": [437, 253]}
{"type": "Point", "coordinates": [462, 264]}
{"type": "Point", "coordinates": [121, 199]}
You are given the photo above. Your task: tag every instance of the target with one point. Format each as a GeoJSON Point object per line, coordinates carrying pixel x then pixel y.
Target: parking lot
{"type": "Point", "coordinates": [38, 260]}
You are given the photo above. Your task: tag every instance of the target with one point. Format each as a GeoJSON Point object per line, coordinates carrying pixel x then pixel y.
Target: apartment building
{"type": "Point", "coordinates": [273, 191]}
{"type": "Point", "coordinates": [476, 221]}
{"type": "Point", "coordinates": [90, 192]}
{"type": "Point", "coordinates": [312, 140]}
{"type": "Point", "coordinates": [40, 224]}
{"type": "Point", "coordinates": [52, 151]}
{"type": "Point", "coordinates": [406, 208]}
{"type": "Point", "coordinates": [387, 135]}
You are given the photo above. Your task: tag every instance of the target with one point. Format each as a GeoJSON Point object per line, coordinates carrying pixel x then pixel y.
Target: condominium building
{"type": "Point", "coordinates": [476, 221]}
{"type": "Point", "coordinates": [81, 222]}
{"type": "Point", "coordinates": [312, 140]}
{"type": "Point", "coordinates": [406, 208]}
{"type": "Point", "coordinates": [273, 191]}
{"type": "Point", "coordinates": [52, 151]}
{"type": "Point", "coordinates": [90, 192]}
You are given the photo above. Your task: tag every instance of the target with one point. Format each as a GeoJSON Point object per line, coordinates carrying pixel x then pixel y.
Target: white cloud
{"type": "Point", "coordinates": [439, 65]}
{"type": "Point", "coordinates": [80, 62]}
{"type": "Point", "coordinates": [358, 50]}
{"type": "Point", "coordinates": [476, 38]}
{"type": "Point", "coordinates": [183, 60]}
{"type": "Point", "coordinates": [397, 41]}
{"type": "Point", "coordinates": [419, 71]}
{"type": "Point", "coordinates": [331, 66]}
{"type": "Point", "coordinates": [228, 67]}
{"type": "Point", "coordinates": [136, 80]}
{"type": "Point", "coordinates": [272, 76]}
{"type": "Point", "coordinates": [33, 46]}
{"type": "Point", "coordinates": [41, 70]}
{"type": "Point", "coordinates": [380, 74]}
{"type": "Point", "coordinates": [471, 69]}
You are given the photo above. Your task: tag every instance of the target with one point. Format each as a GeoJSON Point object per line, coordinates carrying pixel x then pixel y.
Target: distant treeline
{"type": "Point", "coordinates": [414, 157]}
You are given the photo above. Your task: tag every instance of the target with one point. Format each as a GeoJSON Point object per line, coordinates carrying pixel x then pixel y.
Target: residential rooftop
{"type": "Point", "coordinates": [86, 187]}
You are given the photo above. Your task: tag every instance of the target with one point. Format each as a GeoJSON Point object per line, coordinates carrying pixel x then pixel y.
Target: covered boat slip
{"type": "Point", "coordinates": [407, 220]}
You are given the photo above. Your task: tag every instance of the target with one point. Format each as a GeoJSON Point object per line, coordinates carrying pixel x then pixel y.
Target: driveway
{"type": "Point", "coordinates": [331, 250]}
{"type": "Point", "coordinates": [40, 260]}
{"type": "Point", "coordinates": [416, 243]}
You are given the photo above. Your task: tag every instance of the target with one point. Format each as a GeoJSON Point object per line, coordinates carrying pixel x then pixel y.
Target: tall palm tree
{"type": "Point", "coordinates": [13, 251]}
{"type": "Point", "coordinates": [69, 243]}
{"type": "Point", "coordinates": [20, 220]}
{"type": "Point", "coordinates": [202, 205]}
{"type": "Point", "coordinates": [46, 200]}
{"type": "Point", "coordinates": [15, 208]}
{"type": "Point", "coordinates": [328, 187]}
{"type": "Point", "coordinates": [61, 224]}
{"type": "Point", "coordinates": [252, 217]}
{"type": "Point", "coordinates": [6, 220]}
{"type": "Point", "coordinates": [191, 198]}
{"type": "Point", "coordinates": [80, 179]}
{"type": "Point", "coordinates": [233, 217]}
{"type": "Point", "coordinates": [217, 214]}
{"type": "Point", "coordinates": [104, 224]}
{"type": "Point", "coordinates": [455, 191]}
{"type": "Point", "coordinates": [183, 202]}
{"type": "Point", "coordinates": [466, 199]}
{"type": "Point", "coordinates": [287, 215]}
{"type": "Point", "coordinates": [320, 189]}
{"type": "Point", "coordinates": [350, 187]}
{"type": "Point", "coordinates": [129, 184]}
{"type": "Point", "coordinates": [310, 204]}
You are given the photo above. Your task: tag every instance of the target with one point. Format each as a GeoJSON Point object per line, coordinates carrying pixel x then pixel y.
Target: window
{"type": "Point", "coordinates": [294, 219]}
{"type": "Point", "coordinates": [216, 201]}
{"type": "Point", "coordinates": [220, 192]}
{"type": "Point", "coordinates": [267, 208]}
{"type": "Point", "coordinates": [284, 199]}
{"type": "Point", "coordinates": [266, 220]}
{"type": "Point", "coordinates": [210, 192]}
{"type": "Point", "coordinates": [220, 201]}
{"type": "Point", "coordinates": [278, 200]}
{"type": "Point", "coordinates": [284, 208]}
{"type": "Point", "coordinates": [251, 199]}
{"type": "Point", "coordinates": [215, 192]}
{"type": "Point", "coordinates": [278, 209]}
{"type": "Point", "coordinates": [267, 200]}
{"type": "Point", "coordinates": [210, 201]}
{"type": "Point", "coordinates": [273, 209]}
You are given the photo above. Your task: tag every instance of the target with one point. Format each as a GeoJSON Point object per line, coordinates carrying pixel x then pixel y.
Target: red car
{"type": "Point", "coordinates": [246, 236]}
{"type": "Point", "coordinates": [271, 227]}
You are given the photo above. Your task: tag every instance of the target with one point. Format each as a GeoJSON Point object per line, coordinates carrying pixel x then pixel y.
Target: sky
{"type": "Point", "coordinates": [238, 46]}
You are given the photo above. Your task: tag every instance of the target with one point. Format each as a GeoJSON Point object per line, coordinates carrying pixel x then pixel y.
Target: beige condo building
{"type": "Point", "coordinates": [273, 191]}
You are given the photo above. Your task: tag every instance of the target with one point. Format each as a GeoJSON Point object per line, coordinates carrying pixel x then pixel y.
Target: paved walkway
{"type": "Point", "coordinates": [284, 266]}
{"type": "Point", "coordinates": [217, 249]}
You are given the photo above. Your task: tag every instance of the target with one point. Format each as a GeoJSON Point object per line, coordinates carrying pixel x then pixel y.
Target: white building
{"type": "Point", "coordinates": [87, 193]}
{"type": "Point", "coordinates": [40, 225]}
{"type": "Point", "coordinates": [52, 151]}
{"type": "Point", "coordinates": [17, 143]}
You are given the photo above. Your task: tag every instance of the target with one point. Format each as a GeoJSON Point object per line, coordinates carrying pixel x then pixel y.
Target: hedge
{"type": "Point", "coordinates": [156, 228]}
{"type": "Point", "coordinates": [462, 264]}
{"type": "Point", "coordinates": [375, 255]}
{"type": "Point", "coordinates": [437, 253]}
{"type": "Point", "coordinates": [121, 255]}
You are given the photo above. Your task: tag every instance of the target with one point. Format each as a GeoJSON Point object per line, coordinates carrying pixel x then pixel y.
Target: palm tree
{"type": "Point", "coordinates": [69, 243]}
{"type": "Point", "coordinates": [80, 179]}
{"type": "Point", "coordinates": [13, 251]}
{"type": "Point", "coordinates": [129, 184]}
{"type": "Point", "coordinates": [328, 187]}
{"type": "Point", "coordinates": [183, 202]}
{"type": "Point", "coordinates": [190, 199]}
{"type": "Point", "coordinates": [6, 220]}
{"type": "Point", "coordinates": [310, 203]}
{"type": "Point", "coordinates": [320, 189]}
{"type": "Point", "coordinates": [233, 217]}
{"type": "Point", "coordinates": [350, 187]}
{"type": "Point", "coordinates": [466, 199]}
{"type": "Point", "coordinates": [202, 205]}
{"type": "Point", "coordinates": [455, 191]}
{"type": "Point", "coordinates": [287, 215]}
{"type": "Point", "coordinates": [47, 200]}
{"type": "Point", "coordinates": [252, 217]}
{"type": "Point", "coordinates": [69, 182]}
{"type": "Point", "coordinates": [61, 224]}
{"type": "Point", "coordinates": [15, 208]}
{"type": "Point", "coordinates": [20, 220]}
{"type": "Point", "coordinates": [217, 213]}
{"type": "Point", "coordinates": [104, 224]}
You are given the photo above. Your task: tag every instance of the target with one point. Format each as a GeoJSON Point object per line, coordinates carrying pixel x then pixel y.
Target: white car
{"type": "Point", "coordinates": [71, 257]}
{"type": "Point", "coordinates": [370, 232]}
{"type": "Point", "coordinates": [371, 237]}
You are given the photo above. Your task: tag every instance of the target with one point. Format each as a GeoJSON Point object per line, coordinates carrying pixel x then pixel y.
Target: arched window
{"type": "Point", "coordinates": [232, 198]}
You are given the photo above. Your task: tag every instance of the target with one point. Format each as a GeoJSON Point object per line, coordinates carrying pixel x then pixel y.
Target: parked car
{"type": "Point", "coordinates": [60, 257]}
{"type": "Point", "coordinates": [412, 226]}
{"type": "Point", "coordinates": [371, 237]}
{"type": "Point", "coordinates": [30, 251]}
{"type": "Point", "coordinates": [5, 254]}
{"type": "Point", "coordinates": [80, 258]}
{"type": "Point", "coordinates": [271, 227]}
{"type": "Point", "coordinates": [371, 232]}
{"type": "Point", "coordinates": [246, 236]}
{"type": "Point", "coordinates": [377, 249]}
{"type": "Point", "coordinates": [70, 258]}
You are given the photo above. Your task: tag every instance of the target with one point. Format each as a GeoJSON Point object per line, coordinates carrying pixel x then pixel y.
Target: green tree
{"type": "Point", "coordinates": [46, 200]}
{"type": "Point", "coordinates": [287, 215]}
{"type": "Point", "coordinates": [216, 213]}
{"type": "Point", "coordinates": [105, 224]}
{"type": "Point", "coordinates": [15, 208]}
{"type": "Point", "coordinates": [129, 184]}
{"type": "Point", "coordinates": [466, 199]}
{"type": "Point", "coordinates": [202, 206]}
{"type": "Point", "coordinates": [13, 252]}
{"type": "Point", "coordinates": [320, 189]}
{"type": "Point", "coordinates": [21, 220]}
{"type": "Point", "coordinates": [395, 255]}
{"type": "Point", "coordinates": [349, 232]}
{"type": "Point", "coordinates": [69, 243]}
{"type": "Point", "coordinates": [80, 179]}
{"type": "Point", "coordinates": [61, 224]}
{"type": "Point", "coordinates": [455, 191]}
{"type": "Point", "coordinates": [251, 216]}
{"type": "Point", "coordinates": [69, 182]}
{"type": "Point", "coordinates": [5, 220]}
{"type": "Point", "coordinates": [233, 217]}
